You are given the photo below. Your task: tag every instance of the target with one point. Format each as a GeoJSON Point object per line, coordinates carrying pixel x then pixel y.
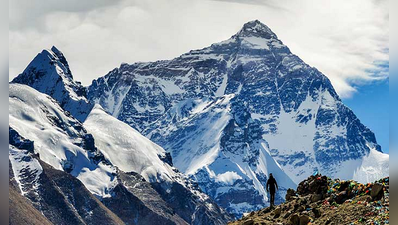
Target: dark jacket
{"type": "Point", "coordinates": [271, 184]}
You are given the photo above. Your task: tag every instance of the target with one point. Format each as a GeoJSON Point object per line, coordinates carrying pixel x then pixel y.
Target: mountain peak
{"type": "Point", "coordinates": [57, 52]}
{"type": "Point", "coordinates": [257, 29]}
{"type": "Point", "coordinates": [49, 73]}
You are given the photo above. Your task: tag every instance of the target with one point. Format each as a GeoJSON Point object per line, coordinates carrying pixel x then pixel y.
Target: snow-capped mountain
{"type": "Point", "coordinates": [60, 171]}
{"type": "Point", "coordinates": [48, 145]}
{"type": "Point", "coordinates": [225, 116]}
{"type": "Point", "coordinates": [234, 111]}
{"type": "Point", "coordinates": [49, 73]}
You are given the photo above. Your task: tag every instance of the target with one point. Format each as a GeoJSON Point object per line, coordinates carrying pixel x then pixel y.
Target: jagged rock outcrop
{"type": "Point", "coordinates": [321, 200]}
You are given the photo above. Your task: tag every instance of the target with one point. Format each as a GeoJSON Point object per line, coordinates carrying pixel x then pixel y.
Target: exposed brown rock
{"type": "Point", "coordinates": [294, 219]}
{"type": "Point", "coordinates": [377, 192]}
{"type": "Point", "coordinates": [21, 211]}
{"type": "Point", "coordinates": [304, 219]}
{"type": "Point", "coordinates": [249, 222]}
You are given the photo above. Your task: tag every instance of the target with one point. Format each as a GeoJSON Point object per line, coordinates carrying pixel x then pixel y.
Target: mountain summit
{"type": "Point", "coordinates": [49, 73]}
{"type": "Point", "coordinates": [256, 29]}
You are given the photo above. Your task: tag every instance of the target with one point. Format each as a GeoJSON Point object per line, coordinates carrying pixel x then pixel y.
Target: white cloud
{"type": "Point", "coordinates": [228, 177]}
{"type": "Point", "coordinates": [343, 39]}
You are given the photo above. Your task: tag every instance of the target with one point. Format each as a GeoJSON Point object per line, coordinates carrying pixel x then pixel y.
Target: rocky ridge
{"type": "Point", "coordinates": [321, 200]}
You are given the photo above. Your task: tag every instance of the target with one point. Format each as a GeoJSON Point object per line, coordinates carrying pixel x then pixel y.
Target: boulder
{"type": "Point", "coordinates": [289, 194]}
{"type": "Point", "coordinates": [316, 197]}
{"type": "Point", "coordinates": [341, 197]}
{"type": "Point", "coordinates": [377, 192]}
{"type": "Point", "coordinates": [314, 184]}
{"type": "Point", "coordinates": [344, 185]}
{"type": "Point", "coordinates": [301, 208]}
{"type": "Point", "coordinates": [294, 220]}
{"type": "Point", "coordinates": [304, 220]}
{"type": "Point", "coordinates": [248, 222]}
{"type": "Point", "coordinates": [277, 212]}
{"type": "Point", "coordinates": [317, 212]}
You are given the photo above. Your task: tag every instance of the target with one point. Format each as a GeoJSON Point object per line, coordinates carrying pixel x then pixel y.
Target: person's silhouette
{"type": "Point", "coordinates": [272, 186]}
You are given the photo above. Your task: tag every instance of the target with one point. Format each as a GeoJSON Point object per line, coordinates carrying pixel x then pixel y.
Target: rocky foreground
{"type": "Point", "coordinates": [321, 200]}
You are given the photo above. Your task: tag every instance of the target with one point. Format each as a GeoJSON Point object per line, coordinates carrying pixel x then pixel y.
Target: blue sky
{"type": "Point", "coordinates": [371, 105]}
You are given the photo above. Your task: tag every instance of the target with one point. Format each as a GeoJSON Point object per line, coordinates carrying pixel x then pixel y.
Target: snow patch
{"type": "Point", "coordinates": [255, 43]}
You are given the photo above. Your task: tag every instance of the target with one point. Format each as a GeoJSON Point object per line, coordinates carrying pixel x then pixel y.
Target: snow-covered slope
{"type": "Point", "coordinates": [368, 169]}
{"type": "Point", "coordinates": [130, 151]}
{"type": "Point", "coordinates": [280, 111]}
{"type": "Point", "coordinates": [126, 148]}
{"type": "Point", "coordinates": [59, 139]}
{"type": "Point", "coordinates": [49, 73]}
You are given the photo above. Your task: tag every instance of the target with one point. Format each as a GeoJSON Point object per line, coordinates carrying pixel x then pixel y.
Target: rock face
{"type": "Point", "coordinates": [49, 73]}
{"type": "Point", "coordinates": [136, 202]}
{"type": "Point", "coordinates": [235, 111]}
{"type": "Point", "coordinates": [20, 211]}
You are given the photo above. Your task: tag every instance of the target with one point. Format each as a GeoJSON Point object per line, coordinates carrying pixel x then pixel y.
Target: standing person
{"type": "Point", "coordinates": [272, 186]}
